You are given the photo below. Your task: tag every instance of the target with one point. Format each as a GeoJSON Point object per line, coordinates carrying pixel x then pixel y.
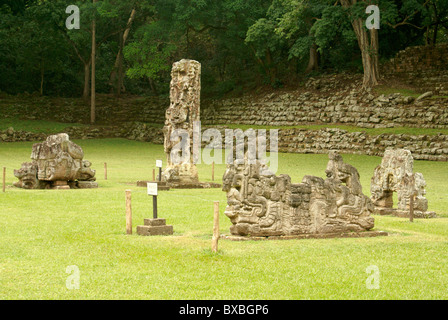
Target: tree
{"type": "Point", "coordinates": [150, 50]}
{"type": "Point", "coordinates": [93, 62]}
{"type": "Point", "coordinates": [367, 40]}
{"type": "Point", "coordinates": [117, 75]}
{"type": "Point", "coordinates": [296, 23]}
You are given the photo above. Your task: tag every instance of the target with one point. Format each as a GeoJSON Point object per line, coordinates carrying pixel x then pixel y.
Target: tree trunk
{"type": "Point", "coordinates": [86, 91]}
{"type": "Point", "coordinates": [272, 71]}
{"type": "Point", "coordinates": [368, 43]}
{"type": "Point", "coordinates": [153, 86]}
{"type": "Point", "coordinates": [120, 85]}
{"type": "Point", "coordinates": [436, 27]}
{"type": "Point", "coordinates": [42, 72]}
{"type": "Point", "coordinates": [436, 31]}
{"type": "Point", "coordinates": [313, 62]}
{"type": "Point", "coordinates": [119, 59]}
{"type": "Point", "coordinates": [92, 90]}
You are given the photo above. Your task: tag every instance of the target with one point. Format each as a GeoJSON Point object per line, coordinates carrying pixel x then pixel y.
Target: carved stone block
{"type": "Point", "coordinates": [56, 163]}
{"type": "Point", "coordinates": [396, 174]}
{"type": "Point", "coordinates": [260, 203]}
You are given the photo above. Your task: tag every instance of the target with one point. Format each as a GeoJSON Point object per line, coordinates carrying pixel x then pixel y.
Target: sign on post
{"type": "Point", "coordinates": [152, 188]}
{"type": "Point", "coordinates": [152, 191]}
{"type": "Point", "coordinates": [159, 165]}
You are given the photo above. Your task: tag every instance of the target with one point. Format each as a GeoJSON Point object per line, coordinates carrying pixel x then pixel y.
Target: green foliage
{"type": "Point", "coordinates": [150, 52]}
{"type": "Point", "coordinates": [243, 43]}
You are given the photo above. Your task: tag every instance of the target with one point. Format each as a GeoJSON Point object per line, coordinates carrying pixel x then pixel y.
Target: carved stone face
{"type": "Point", "coordinates": [27, 175]}
{"type": "Point", "coordinates": [227, 180]}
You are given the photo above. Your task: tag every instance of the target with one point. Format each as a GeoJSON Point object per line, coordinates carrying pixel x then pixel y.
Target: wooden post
{"type": "Point", "coordinates": [4, 179]}
{"type": "Point", "coordinates": [215, 237]}
{"type": "Point", "coordinates": [105, 170]}
{"type": "Point", "coordinates": [213, 171]}
{"type": "Point", "coordinates": [128, 212]}
{"type": "Point", "coordinates": [160, 174]}
{"type": "Point", "coordinates": [154, 207]}
{"type": "Point", "coordinates": [153, 174]}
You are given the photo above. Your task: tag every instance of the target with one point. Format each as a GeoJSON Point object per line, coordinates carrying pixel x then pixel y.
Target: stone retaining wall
{"type": "Point", "coordinates": [348, 107]}
{"type": "Point", "coordinates": [326, 100]}
{"type": "Point", "coordinates": [296, 140]}
{"type": "Point", "coordinates": [424, 67]}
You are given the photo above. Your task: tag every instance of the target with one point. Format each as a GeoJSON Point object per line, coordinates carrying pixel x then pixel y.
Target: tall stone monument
{"type": "Point", "coordinates": [261, 204]}
{"type": "Point", "coordinates": [396, 174]}
{"type": "Point", "coordinates": [184, 110]}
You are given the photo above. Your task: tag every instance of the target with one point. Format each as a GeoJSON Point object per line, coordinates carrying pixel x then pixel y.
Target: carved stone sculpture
{"type": "Point", "coordinates": [184, 110]}
{"type": "Point", "coordinates": [56, 163]}
{"type": "Point", "coordinates": [27, 176]}
{"type": "Point", "coordinates": [396, 174]}
{"type": "Point", "coordinates": [259, 203]}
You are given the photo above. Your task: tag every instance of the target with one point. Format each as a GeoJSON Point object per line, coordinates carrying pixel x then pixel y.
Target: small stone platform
{"type": "Point", "coordinates": [367, 234]}
{"type": "Point", "coordinates": [165, 186]}
{"type": "Point", "coordinates": [161, 185]}
{"type": "Point", "coordinates": [154, 227]}
{"type": "Point", "coordinates": [199, 185]}
{"type": "Point", "coordinates": [405, 213]}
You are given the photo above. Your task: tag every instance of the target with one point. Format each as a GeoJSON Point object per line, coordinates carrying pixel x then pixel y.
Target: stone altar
{"type": "Point", "coordinates": [261, 204]}
{"type": "Point", "coordinates": [396, 174]}
{"type": "Point", "coordinates": [57, 163]}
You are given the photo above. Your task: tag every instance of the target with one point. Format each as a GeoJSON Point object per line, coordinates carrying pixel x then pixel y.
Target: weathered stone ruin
{"type": "Point", "coordinates": [396, 174]}
{"type": "Point", "coordinates": [184, 110]}
{"type": "Point", "coordinates": [181, 116]}
{"type": "Point", "coordinates": [261, 204]}
{"type": "Point", "coordinates": [57, 163]}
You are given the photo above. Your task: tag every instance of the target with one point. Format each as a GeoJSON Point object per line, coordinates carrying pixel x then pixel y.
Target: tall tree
{"type": "Point", "coordinates": [367, 40]}
{"type": "Point", "coordinates": [93, 60]}
{"type": "Point", "coordinates": [116, 78]}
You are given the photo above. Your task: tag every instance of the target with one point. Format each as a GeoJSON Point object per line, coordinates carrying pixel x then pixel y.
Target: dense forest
{"type": "Point", "coordinates": [241, 44]}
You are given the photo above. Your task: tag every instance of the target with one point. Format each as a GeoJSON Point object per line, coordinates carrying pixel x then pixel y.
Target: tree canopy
{"type": "Point", "coordinates": [240, 43]}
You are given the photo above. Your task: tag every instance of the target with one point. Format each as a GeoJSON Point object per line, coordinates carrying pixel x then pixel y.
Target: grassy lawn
{"type": "Point", "coordinates": [37, 126]}
{"type": "Point", "coordinates": [407, 92]}
{"type": "Point", "coordinates": [42, 232]}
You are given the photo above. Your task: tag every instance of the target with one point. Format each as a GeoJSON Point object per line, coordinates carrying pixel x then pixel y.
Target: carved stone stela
{"type": "Point", "coordinates": [57, 163]}
{"type": "Point", "coordinates": [261, 204]}
{"type": "Point", "coordinates": [396, 174]}
{"type": "Point", "coordinates": [184, 110]}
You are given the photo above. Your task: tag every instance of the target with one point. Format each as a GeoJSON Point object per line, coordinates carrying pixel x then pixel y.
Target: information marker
{"type": "Point", "coordinates": [159, 164]}
{"type": "Point", "coordinates": [152, 191]}
{"type": "Point", "coordinates": [155, 226]}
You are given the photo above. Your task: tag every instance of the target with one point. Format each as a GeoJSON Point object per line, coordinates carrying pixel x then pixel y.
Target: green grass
{"type": "Point", "coordinates": [36, 126]}
{"type": "Point", "coordinates": [42, 232]}
{"type": "Point", "coordinates": [407, 92]}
